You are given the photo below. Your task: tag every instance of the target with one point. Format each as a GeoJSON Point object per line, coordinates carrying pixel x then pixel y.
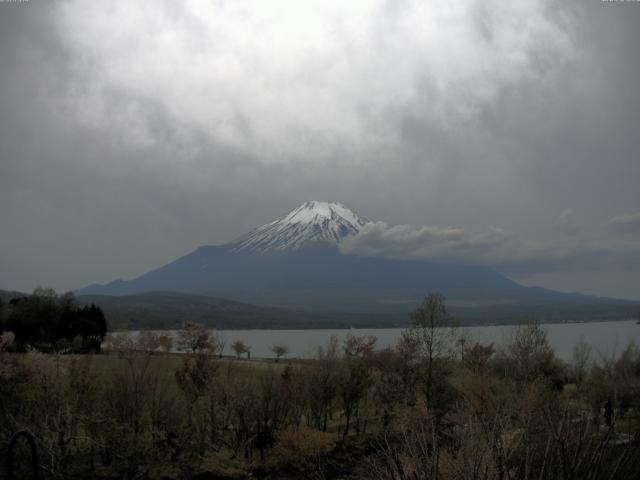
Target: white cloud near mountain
{"type": "Point", "coordinates": [626, 223]}
{"type": "Point", "coordinates": [493, 246]}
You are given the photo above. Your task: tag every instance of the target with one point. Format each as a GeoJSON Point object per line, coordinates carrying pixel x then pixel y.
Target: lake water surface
{"type": "Point", "coordinates": [605, 338]}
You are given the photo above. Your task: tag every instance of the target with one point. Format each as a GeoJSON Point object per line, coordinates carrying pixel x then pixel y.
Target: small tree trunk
{"type": "Point", "coordinates": [346, 428]}
{"type": "Point", "coordinates": [324, 423]}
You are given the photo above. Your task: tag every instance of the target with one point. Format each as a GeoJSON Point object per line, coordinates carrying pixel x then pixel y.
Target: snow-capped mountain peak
{"type": "Point", "coordinates": [310, 223]}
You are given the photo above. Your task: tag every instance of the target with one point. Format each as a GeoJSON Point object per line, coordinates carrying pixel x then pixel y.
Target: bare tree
{"type": "Point", "coordinates": [221, 342]}
{"type": "Point", "coordinates": [530, 354]}
{"type": "Point", "coordinates": [198, 338]}
{"type": "Point", "coordinates": [430, 322]}
{"type": "Point", "coordinates": [361, 347]}
{"type": "Point", "coordinates": [355, 377]}
{"type": "Point", "coordinates": [6, 340]}
{"type": "Point", "coordinates": [477, 356]}
{"type": "Point", "coordinates": [279, 351]}
{"type": "Point", "coordinates": [580, 361]}
{"type": "Point", "coordinates": [321, 384]}
{"type": "Point", "coordinates": [166, 342]}
{"type": "Point", "coordinates": [195, 377]}
{"type": "Point", "coordinates": [239, 347]}
{"type": "Point", "coordinates": [148, 342]}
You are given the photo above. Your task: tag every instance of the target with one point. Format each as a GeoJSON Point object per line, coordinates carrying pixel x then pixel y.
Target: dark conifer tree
{"type": "Point", "coordinates": [44, 319]}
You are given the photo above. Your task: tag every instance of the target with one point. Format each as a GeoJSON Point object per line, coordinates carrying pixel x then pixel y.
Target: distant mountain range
{"type": "Point", "coordinates": [293, 264]}
{"type": "Point", "coordinates": [170, 310]}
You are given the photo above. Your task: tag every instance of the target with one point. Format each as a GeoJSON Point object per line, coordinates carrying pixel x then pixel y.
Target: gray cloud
{"type": "Point", "coordinates": [132, 132]}
{"type": "Point", "coordinates": [286, 81]}
{"type": "Point", "coordinates": [492, 246]}
{"type": "Point", "coordinates": [434, 243]}
{"type": "Point", "coordinates": [567, 224]}
{"type": "Point", "coordinates": [626, 222]}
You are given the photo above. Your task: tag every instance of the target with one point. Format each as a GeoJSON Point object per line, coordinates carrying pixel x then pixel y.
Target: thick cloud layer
{"type": "Point", "coordinates": [492, 247]}
{"type": "Point", "coordinates": [292, 81]}
{"type": "Point", "coordinates": [448, 244]}
{"type": "Point", "coordinates": [132, 132]}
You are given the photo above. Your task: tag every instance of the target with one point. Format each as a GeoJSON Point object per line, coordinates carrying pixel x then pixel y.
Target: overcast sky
{"type": "Point", "coordinates": [491, 132]}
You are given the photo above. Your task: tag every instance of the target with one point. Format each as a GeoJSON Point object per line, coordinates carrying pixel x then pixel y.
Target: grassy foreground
{"type": "Point", "coordinates": [415, 410]}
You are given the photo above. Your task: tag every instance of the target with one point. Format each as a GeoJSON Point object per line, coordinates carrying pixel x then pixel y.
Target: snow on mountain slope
{"type": "Point", "coordinates": [311, 222]}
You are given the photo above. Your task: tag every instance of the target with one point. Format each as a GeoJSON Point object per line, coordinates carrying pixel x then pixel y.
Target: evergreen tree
{"type": "Point", "coordinates": [44, 319]}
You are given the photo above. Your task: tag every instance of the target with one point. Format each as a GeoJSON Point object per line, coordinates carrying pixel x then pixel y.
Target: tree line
{"type": "Point", "coordinates": [49, 322]}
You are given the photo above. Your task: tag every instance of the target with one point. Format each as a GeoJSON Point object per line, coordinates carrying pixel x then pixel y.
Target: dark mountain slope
{"type": "Point", "coordinates": [322, 279]}
{"type": "Point", "coordinates": [170, 310]}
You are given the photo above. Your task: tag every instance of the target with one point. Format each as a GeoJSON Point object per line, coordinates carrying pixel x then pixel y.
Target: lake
{"type": "Point", "coordinates": [605, 338]}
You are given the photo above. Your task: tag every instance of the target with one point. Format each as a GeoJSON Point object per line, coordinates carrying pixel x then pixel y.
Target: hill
{"type": "Point", "coordinates": [170, 310]}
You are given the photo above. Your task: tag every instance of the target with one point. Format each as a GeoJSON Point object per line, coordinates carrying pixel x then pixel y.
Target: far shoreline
{"type": "Point", "coordinates": [388, 327]}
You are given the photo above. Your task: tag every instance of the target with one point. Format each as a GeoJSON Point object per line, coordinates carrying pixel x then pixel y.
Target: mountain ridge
{"type": "Point", "coordinates": [294, 262]}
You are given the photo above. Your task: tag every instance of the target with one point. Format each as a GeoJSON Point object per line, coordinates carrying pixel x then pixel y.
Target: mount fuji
{"type": "Point", "coordinates": [294, 262]}
{"type": "Point", "coordinates": [312, 223]}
